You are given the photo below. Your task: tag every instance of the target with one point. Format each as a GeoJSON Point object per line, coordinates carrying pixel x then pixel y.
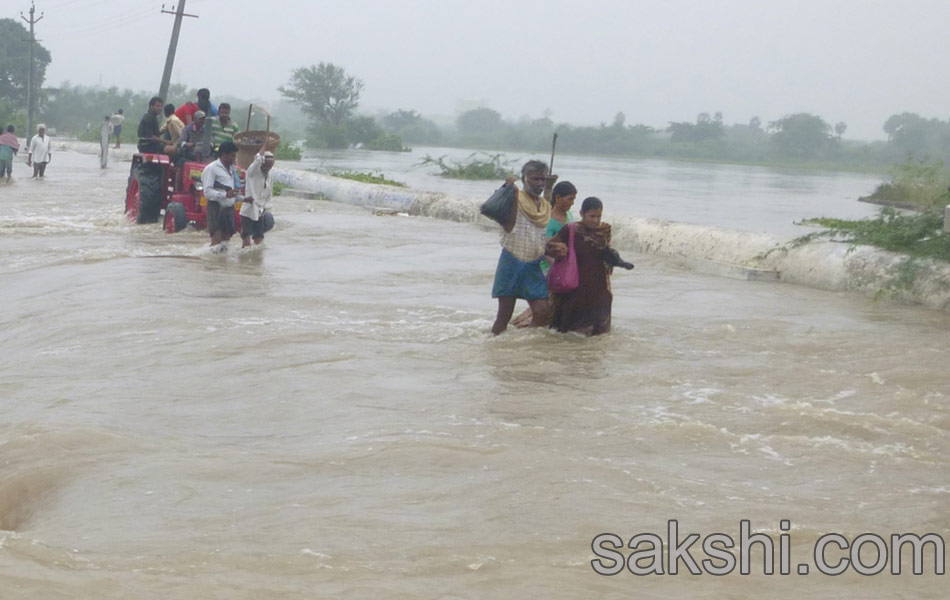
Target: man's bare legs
{"type": "Point", "coordinates": [506, 307]}
{"type": "Point", "coordinates": [539, 314]}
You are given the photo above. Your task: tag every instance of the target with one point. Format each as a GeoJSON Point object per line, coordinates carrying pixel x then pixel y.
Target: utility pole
{"type": "Point", "coordinates": [29, 73]}
{"type": "Point", "coordinates": [172, 46]}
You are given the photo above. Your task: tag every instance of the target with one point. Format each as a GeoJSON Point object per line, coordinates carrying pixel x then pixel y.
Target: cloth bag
{"type": "Point", "coordinates": [563, 276]}
{"type": "Point", "coordinates": [498, 206]}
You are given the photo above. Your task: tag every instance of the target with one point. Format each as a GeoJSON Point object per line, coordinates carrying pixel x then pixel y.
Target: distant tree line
{"type": "Point", "coordinates": [800, 138]}
{"type": "Point", "coordinates": [322, 103]}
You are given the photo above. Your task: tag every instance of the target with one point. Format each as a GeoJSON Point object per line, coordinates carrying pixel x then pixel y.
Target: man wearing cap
{"type": "Point", "coordinates": [195, 140]}
{"type": "Point", "coordinates": [221, 188]}
{"type": "Point", "coordinates": [259, 188]}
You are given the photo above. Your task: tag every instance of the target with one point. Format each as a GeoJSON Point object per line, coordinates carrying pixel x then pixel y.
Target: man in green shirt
{"type": "Point", "coordinates": [222, 127]}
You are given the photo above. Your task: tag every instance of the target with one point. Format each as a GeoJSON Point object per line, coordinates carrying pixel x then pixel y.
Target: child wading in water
{"type": "Point", "coordinates": [587, 308]}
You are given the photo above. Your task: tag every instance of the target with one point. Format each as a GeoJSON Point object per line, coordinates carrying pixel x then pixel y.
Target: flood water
{"type": "Point", "coordinates": [746, 198]}
{"type": "Point", "coordinates": [327, 417]}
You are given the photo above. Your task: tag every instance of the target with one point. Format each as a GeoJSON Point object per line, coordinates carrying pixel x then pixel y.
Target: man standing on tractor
{"type": "Point", "coordinates": [222, 127]}
{"type": "Point", "coordinates": [186, 112]}
{"type": "Point", "coordinates": [221, 187]}
{"type": "Point", "coordinates": [150, 140]}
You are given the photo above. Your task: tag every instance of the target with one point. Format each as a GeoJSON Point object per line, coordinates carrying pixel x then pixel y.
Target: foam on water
{"type": "Point", "coordinates": [823, 265]}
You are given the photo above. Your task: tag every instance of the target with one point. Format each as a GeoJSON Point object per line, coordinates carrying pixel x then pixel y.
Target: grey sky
{"type": "Point", "coordinates": [660, 61]}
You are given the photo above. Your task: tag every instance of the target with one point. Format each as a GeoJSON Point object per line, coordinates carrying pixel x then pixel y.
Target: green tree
{"type": "Point", "coordinates": [412, 127]}
{"type": "Point", "coordinates": [362, 130]}
{"type": "Point", "coordinates": [705, 128]}
{"type": "Point", "coordinates": [801, 135]}
{"type": "Point", "coordinates": [840, 128]}
{"type": "Point", "coordinates": [909, 133]}
{"type": "Point", "coordinates": [15, 64]}
{"type": "Point", "coordinates": [324, 92]}
{"type": "Point", "coordinates": [402, 119]}
{"type": "Point", "coordinates": [480, 121]}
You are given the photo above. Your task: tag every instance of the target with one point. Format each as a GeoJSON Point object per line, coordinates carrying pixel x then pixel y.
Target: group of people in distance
{"type": "Point", "coordinates": [186, 135]}
{"type": "Point", "coordinates": [537, 234]}
{"type": "Point", "coordinates": [192, 132]}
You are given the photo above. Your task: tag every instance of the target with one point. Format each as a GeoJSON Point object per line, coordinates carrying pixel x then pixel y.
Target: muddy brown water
{"type": "Point", "coordinates": [327, 417]}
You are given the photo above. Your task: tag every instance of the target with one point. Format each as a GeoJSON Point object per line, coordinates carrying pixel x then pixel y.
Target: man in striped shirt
{"type": "Point", "coordinates": [222, 127]}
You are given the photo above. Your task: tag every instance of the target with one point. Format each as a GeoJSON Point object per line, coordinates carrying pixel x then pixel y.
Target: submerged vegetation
{"type": "Point", "coordinates": [368, 177]}
{"type": "Point", "coordinates": [914, 184]}
{"type": "Point", "coordinates": [287, 151]}
{"type": "Point", "coordinates": [491, 166]}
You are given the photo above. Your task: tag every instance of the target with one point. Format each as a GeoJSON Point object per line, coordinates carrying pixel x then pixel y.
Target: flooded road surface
{"type": "Point", "coordinates": [327, 416]}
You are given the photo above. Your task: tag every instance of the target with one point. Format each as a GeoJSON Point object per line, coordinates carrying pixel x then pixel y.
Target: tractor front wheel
{"type": "Point", "coordinates": [175, 217]}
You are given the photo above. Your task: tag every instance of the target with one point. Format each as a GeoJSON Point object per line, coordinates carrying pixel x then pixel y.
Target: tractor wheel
{"type": "Point", "coordinates": [175, 218]}
{"type": "Point", "coordinates": [149, 181]}
{"type": "Point", "coordinates": [267, 221]}
{"type": "Point", "coordinates": [132, 200]}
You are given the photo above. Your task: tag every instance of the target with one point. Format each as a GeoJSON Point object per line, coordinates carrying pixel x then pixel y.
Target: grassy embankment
{"type": "Point", "coordinates": [911, 221]}
{"type": "Point", "coordinates": [475, 168]}
{"type": "Point", "coordinates": [368, 177]}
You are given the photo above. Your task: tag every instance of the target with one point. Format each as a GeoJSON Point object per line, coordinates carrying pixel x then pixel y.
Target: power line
{"type": "Point", "coordinates": [79, 29]}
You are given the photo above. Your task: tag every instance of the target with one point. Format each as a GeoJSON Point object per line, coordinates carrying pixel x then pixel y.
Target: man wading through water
{"type": "Point", "coordinates": [220, 181]}
{"type": "Point", "coordinates": [519, 268]}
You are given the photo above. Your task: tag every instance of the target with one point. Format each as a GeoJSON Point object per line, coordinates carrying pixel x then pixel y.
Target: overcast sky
{"type": "Point", "coordinates": [857, 61]}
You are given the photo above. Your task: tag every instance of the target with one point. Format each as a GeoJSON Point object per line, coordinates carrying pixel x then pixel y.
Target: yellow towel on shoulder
{"type": "Point", "coordinates": [539, 215]}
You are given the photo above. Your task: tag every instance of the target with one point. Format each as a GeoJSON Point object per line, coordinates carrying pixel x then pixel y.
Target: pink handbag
{"type": "Point", "coordinates": [563, 276]}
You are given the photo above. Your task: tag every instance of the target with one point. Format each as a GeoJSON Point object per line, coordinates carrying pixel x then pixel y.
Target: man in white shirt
{"type": "Point", "coordinates": [116, 119]}
{"type": "Point", "coordinates": [259, 187]}
{"type": "Point", "coordinates": [221, 187]}
{"type": "Point", "coordinates": [39, 154]}
{"type": "Point", "coordinates": [105, 133]}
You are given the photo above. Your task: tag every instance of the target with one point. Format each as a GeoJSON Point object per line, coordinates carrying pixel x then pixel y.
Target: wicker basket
{"type": "Point", "coordinates": [249, 143]}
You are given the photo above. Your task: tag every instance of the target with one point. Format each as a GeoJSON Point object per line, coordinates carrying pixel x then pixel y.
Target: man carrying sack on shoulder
{"type": "Point", "coordinates": [519, 274]}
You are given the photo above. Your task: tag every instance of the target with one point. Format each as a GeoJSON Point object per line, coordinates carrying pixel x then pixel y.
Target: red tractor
{"type": "Point", "coordinates": [156, 185]}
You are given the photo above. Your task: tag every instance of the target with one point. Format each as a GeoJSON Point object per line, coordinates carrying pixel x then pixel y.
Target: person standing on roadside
{"type": "Point", "coordinates": [116, 119]}
{"type": "Point", "coordinates": [105, 134]}
{"type": "Point", "coordinates": [9, 145]}
{"type": "Point", "coordinates": [220, 182]}
{"type": "Point", "coordinates": [259, 188]}
{"type": "Point", "coordinates": [39, 154]}
{"type": "Point", "coordinates": [150, 140]}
